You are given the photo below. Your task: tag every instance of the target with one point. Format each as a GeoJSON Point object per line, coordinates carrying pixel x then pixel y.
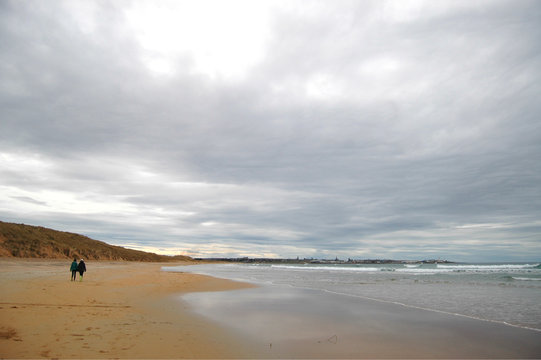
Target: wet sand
{"type": "Point", "coordinates": [285, 322]}
{"type": "Point", "coordinates": [120, 310]}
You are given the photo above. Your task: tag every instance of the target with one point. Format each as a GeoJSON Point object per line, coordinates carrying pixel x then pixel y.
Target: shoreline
{"type": "Point", "coordinates": [308, 323]}
{"type": "Point", "coordinates": [290, 319]}
{"type": "Point", "coordinates": [119, 310]}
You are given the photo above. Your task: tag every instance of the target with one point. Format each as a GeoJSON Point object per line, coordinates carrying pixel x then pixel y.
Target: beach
{"type": "Point", "coordinates": [119, 310]}
{"type": "Point", "coordinates": [138, 310]}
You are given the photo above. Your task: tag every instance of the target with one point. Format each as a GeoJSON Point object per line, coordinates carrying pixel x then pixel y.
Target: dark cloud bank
{"type": "Point", "coordinates": [366, 130]}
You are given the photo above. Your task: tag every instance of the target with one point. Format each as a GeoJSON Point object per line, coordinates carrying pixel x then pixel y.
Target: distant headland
{"type": "Point", "coordinates": [324, 261]}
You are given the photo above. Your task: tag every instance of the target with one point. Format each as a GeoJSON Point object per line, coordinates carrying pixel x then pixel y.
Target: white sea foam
{"type": "Point", "coordinates": [327, 268]}
{"type": "Point", "coordinates": [526, 279]}
{"type": "Point", "coordinates": [414, 269]}
{"type": "Point", "coordinates": [424, 271]}
{"type": "Point", "coordinates": [487, 267]}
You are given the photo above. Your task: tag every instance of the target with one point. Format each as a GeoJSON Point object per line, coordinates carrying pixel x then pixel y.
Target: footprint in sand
{"type": "Point", "coordinates": [9, 334]}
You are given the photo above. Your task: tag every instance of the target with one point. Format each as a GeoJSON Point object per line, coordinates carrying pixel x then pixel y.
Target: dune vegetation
{"type": "Point", "coordinates": [26, 241]}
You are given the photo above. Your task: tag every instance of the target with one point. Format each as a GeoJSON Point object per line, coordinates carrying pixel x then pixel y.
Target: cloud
{"type": "Point", "coordinates": [369, 129]}
{"type": "Point", "coordinates": [29, 200]}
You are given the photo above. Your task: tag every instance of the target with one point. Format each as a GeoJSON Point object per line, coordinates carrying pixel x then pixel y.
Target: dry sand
{"type": "Point", "coordinates": [120, 310]}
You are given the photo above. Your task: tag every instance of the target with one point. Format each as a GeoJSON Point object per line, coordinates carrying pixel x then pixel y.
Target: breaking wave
{"type": "Point", "coordinates": [329, 268]}
{"type": "Point", "coordinates": [525, 278]}
{"type": "Point", "coordinates": [426, 269]}
{"type": "Point", "coordinates": [489, 267]}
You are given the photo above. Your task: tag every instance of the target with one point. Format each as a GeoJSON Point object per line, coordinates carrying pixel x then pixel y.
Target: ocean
{"type": "Point", "coordinates": [502, 293]}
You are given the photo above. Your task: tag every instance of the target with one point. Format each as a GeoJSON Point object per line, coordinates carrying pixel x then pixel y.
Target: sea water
{"type": "Point", "coordinates": [503, 293]}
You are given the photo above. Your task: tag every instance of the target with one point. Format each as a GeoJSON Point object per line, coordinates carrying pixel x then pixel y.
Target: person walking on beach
{"type": "Point", "coordinates": [73, 270]}
{"type": "Point", "coordinates": [81, 268]}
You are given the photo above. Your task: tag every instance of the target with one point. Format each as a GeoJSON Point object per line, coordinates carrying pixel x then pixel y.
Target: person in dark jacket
{"type": "Point", "coordinates": [81, 268]}
{"type": "Point", "coordinates": [73, 270]}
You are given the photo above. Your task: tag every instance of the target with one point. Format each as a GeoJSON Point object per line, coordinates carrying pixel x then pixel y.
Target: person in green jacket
{"type": "Point", "coordinates": [73, 269]}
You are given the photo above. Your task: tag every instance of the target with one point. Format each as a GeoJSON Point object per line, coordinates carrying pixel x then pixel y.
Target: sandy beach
{"type": "Point", "coordinates": [136, 310]}
{"type": "Point", "coordinates": [120, 310]}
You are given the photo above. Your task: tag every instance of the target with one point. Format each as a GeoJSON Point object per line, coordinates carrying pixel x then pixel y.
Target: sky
{"type": "Point", "coordinates": [317, 129]}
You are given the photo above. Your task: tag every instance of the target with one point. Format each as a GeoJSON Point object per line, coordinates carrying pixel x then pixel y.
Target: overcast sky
{"type": "Point", "coordinates": [362, 129]}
